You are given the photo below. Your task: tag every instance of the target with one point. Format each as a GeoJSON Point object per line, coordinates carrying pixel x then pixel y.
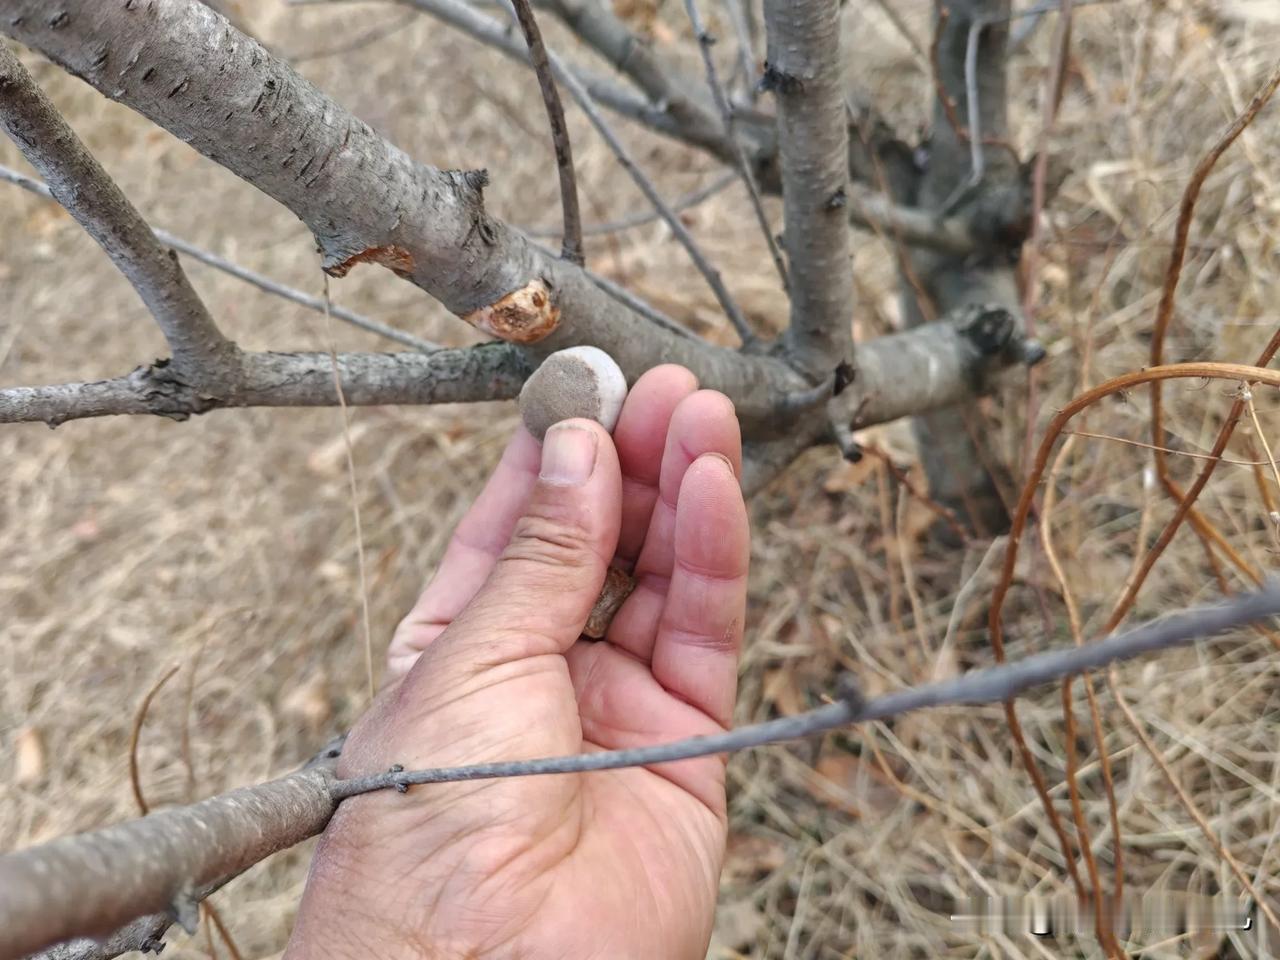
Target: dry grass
{"type": "Point", "coordinates": [226, 544]}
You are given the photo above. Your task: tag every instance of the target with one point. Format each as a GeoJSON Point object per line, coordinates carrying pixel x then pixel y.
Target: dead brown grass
{"type": "Point", "coordinates": [226, 544]}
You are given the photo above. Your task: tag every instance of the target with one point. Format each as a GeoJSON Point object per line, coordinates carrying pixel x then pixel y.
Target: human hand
{"type": "Point", "coordinates": [489, 666]}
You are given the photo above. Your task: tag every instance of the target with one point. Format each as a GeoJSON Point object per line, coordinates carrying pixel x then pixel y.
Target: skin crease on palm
{"type": "Point", "coordinates": [489, 666]}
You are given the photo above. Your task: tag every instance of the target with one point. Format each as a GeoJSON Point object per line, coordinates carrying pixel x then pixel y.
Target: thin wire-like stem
{"type": "Point", "coordinates": [32, 185]}
{"type": "Point", "coordinates": [1182, 230]}
{"type": "Point", "coordinates": [990, 685]}
{"type": "Point", "coordinates": [705, 42]}
{"type": "Point", "coordinates": [135, 734]}
{"type": "Point", "coordinates": [354, 490]}
{"type": "Point", "coordinates": [643, 217]}
{"type": "Point", "coordinates": [572, 243]}
{"type": "Point", "coordinates": [488, 30]}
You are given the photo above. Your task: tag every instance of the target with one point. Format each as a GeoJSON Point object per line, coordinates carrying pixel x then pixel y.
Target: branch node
{"type": "Point", "coordinates": [988, 326]}
{"type": "Point", "coordinates": [838, 200]}
{"type": "Point", "coordinates": [850, 692]}
{"type": "Point", "coordinates": [846, 373]}
{"type": "Point", "coordinates": [186, 911]}
{"type": "Point", "coordinates": [1031, 352]}
{"type": "Point", "coordinates": [400, 785]}
{"type": "Point", "coordinates": [774, 80]}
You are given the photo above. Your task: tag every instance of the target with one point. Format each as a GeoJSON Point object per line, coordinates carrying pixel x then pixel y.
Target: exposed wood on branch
{"type": "Point", "coordinates": [78, 182]}
{"type": "Point", "coordinates": [460, 14]}
{"type": "Point", "coordinates": [362, 197]}
{"type": "Point", "coordinates": [804, 70]}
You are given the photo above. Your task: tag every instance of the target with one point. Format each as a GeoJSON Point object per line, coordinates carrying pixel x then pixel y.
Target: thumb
{"type": "Point", "coordinates": [541, 591]}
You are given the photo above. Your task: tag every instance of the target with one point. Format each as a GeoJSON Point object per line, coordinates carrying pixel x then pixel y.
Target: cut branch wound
{"type": "Point", "coordinates": [526, 315]}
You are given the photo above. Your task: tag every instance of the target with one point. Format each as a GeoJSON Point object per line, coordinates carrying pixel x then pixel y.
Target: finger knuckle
{"type": "Point", "coordinates": [552, 542]}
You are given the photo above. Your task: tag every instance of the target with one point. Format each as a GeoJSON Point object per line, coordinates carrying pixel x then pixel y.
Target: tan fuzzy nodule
{"type": "Point", "coordinates": [578, 382]}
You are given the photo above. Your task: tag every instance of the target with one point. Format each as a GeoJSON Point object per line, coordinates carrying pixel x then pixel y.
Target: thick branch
{"type": "Point", "coordinates": [469, 375]}
{"type": "Point", "coordinates": [78, 182]}
{"type": "Point", "coordinates": [996, 211]}
{"type": "Point", "coordinates": [187, 69]}
{"type": "Point", "coordinates": [805, 73]}
{"type": "Point", "coordinates": [93, 883]}
{"type": "Point", "coordinates": [86, 884]}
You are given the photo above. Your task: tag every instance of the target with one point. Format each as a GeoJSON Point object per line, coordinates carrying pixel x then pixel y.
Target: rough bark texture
{"type": "Point", "coordinates": [470, 375]}
{"type": "Point", "coordinates": [78, 182]}
{"type": "Point", "coordinates": [181, 65]}
{"type": "Point", "coordinates": [95, 883]}
{"type": "Point", "coordinates": [805, 73]}
{"type": "Point", "coordinates": [996, 210]}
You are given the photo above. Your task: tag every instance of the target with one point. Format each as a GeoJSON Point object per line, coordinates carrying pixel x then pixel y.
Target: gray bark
{"type": "Point", "coordinates": [184, 67]}
{"type": "Point", "coordinates": [78, 182]}
{"type": "Point", "coordinates": [805, 72]}
{"type": "Point", "coordinates": [996, 210]}
{"type": "Point", "coordinates": [469, 375]}
{"type": "Point", "coordinates": [95, 883]}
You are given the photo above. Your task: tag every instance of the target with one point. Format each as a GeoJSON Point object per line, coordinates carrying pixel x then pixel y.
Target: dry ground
{"type": "Point", "coordinates": [226, 544]}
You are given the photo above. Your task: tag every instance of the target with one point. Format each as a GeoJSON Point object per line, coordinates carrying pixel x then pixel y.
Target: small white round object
{"type": "Point", "coordinates": [577, 382]}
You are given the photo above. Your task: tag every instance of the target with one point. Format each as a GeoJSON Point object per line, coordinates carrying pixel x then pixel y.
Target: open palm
{"type": "Point", "coordinates": [489, 666]}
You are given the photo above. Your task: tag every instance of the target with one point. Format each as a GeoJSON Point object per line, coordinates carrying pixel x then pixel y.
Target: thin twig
{"type": "Point", "coordinates": [1186, 211]}
{"type": "Point", "coordinates": [140, 718]}
{"type": "Point", "coordinates": [1168, 450]}
{"type": "Point", "coordinates": [997, 684]}
{"type": "Point", "coordinates": [742, 34]}
{"type": "Point", "coordinates": [642, 217]}
{"type": "Point", "coordinates": [358, 42]}
{"type": "Point", "coordinates": [572, 243]}
{"type": "Point", "coordinates": [490, 31]}
{"type": "Point", "coordinates": [32, 185]}
{"type": "Point", "coordinates": [891, 13]}
{"type": "Point", "coordinates": [1247, 395]}
{"type": "Point", "coordinates": [705, 42]}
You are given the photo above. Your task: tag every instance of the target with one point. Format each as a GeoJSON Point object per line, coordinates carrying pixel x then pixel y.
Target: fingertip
{"type": "Point", "coordinates": [712, 530]}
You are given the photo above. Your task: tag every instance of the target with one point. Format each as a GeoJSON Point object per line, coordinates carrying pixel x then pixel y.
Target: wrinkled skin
{"type": "Point", "coordinates": [489, 665]}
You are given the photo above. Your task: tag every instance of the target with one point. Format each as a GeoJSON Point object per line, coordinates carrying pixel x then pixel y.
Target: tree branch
{"type": "Point", "coordinates": [91, 884]}
{"type": "Point", "coordinates": [462, 15]}
{"type": "Point", "coordinates": [468, 375]}
{"type": "Point", "coordinates": [804, 72]}
{"type": "Point", "coordinates": [666, 86]}
{"type": "Point", "coordinates": [78, 182]}
{"type": "Point", "coordinates": [187, 69]}
{"type": "Point", "coordinates": [87, 884]}
{"type": "Point", "coordinates": [572, 242]}
{"type": "Point", "coordinates": [996, 212]}
{"type": "Point", "coordinates": [705, 42]}
{"type": "Point", "coordinates": [249, 276]}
